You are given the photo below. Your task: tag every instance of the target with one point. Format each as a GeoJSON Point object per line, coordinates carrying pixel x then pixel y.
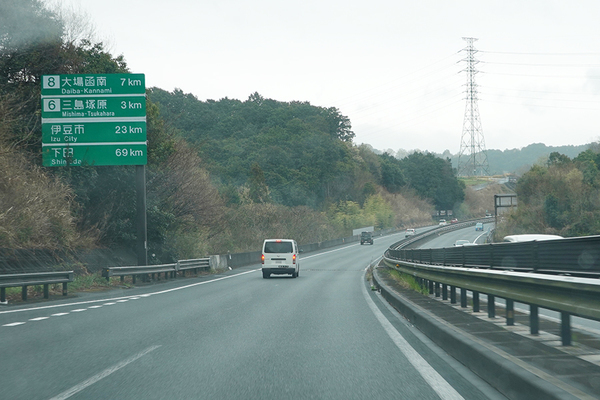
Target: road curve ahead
{"type": "Point", "coordinates": [323, 335]}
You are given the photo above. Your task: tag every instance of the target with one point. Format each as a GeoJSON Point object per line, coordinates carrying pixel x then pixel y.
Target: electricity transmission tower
{"type": "Point", "coordinates": [472, 158]}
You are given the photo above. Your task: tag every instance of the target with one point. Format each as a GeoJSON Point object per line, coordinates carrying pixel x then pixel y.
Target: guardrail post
{"type": "Point", "coordinates": [46, 291]}
{"type": "Point", "coordinates": [24, 293]}
{"type": "Point", "coordinates": [452, 294]}
{"type": "Point", "coordinates": [534, 319]}
{"type": "Point", "coordinates": [444, 291]}
{"type": "Point", "coordinates": [431, 290]}
{"type": "Point", "coordinates": [463, 297]}
{"type": "Point", "coordinates": [536, 263]}
{"type": "Point", "coordinates": [437, 289]}
{"type": "Point", "coordinates": [64, 288]}
{"type": "Point", "coordinates": [565, 328]}
{"type": "Point", "coordinates": [2, 295]}
{"type": "Point", "coordinates": [133, 279]}
{"type": "Point", "coordinates": [475, 301]}
{"type": "Point", "coordinates": [491, 306]}
{"type": "Point", "coordinates": [510, 312]}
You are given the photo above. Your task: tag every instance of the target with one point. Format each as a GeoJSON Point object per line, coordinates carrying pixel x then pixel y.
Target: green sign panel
{"type": "Point", "coordinates": [93, 84]}
{"type": "Point", "coordinates": [63, 155]}
{"type": "Point", "coordinates": [97, 132]}
{"type": "Point", "coordinates": [94, 119]}
{"type": "Point", "coordinates": [92, 108]}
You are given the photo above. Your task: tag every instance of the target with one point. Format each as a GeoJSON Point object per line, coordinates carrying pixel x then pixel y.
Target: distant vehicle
{"type": "Point", "coordinates": [443, 222]}
{"type": "Point", "coordinates": [454, 221]}
{"type": "Point", "coordinates": [530, 237]}
{"type": "Point", "coordinates": [462, 242]}
{"type": "Point", "coordinates": [366, 237]}
{"type": "Point", "coordinates": [479, 226]}
{"type": "Point", "coordinates": [488, 215]}
{"type": "Point", "coordinates": [280, 256]}
{"type": "Point", "coordinates": [410, 232]}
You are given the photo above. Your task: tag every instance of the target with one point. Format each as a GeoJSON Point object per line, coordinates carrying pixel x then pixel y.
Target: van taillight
{"type": "Point", "coordinates": [262, 258]}
{"type": "Point", "coordinates": [293, 259]}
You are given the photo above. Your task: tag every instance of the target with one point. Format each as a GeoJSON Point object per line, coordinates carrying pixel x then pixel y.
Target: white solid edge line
{"type": "Point", "coordinates": [132, 297]}
{"type": "Point", "coordinates": [78, 388]}
{"type": "Point", "coordinates": [431, 376]}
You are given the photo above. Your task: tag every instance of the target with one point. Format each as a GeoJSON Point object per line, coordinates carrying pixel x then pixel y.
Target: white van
{"type": "Point", "coordinates": [280, 256]}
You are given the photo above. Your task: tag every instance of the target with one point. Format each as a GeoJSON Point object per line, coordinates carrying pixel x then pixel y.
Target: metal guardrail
{"type": "Point", "coordinates": [578, 256]}
{"type": "Point", "coordinates": [195, 265]}
{"type": "Point", "coordinates": [472, 268]}
{"type": "Point", "coordinates": [170, 270]}
{"type": "Point", "coordinates": [144, 270]}
{"type": "Point", "coordinates": [33, 279]}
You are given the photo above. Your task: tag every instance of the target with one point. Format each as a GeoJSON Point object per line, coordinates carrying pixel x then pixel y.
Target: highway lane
{"type": "Point", "coordinates": [233, 335]}
{"type": "Point", "coordinates": [449, 238]}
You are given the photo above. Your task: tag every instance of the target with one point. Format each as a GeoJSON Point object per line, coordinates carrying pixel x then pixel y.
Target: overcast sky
{"type": "Point", "coordinates": [392, 66]}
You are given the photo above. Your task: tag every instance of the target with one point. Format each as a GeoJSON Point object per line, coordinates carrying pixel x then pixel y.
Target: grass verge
{"type": "Point", "coordinates": [407, 281]}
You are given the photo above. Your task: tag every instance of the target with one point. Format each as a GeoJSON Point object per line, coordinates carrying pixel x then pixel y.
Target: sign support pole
{"type": "Point", "coordinates": [141, 222]}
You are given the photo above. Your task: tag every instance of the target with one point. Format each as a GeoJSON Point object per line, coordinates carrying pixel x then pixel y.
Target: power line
{"type": "Point", "coordinates": [537, 91]}
{"type": "Point", "coordinates": [544, 65]}
{"type": "Point", "coordinates": [540, 76]}
{"type": "Point", "coordinates": [539, 54]}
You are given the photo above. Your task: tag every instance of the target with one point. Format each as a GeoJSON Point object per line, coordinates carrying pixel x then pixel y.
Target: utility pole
{"type": "Point", "coordinates": [472, 158]}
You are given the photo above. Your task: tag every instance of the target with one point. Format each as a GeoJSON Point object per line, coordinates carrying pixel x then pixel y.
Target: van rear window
{"type": "Point", "coordinates": [278, 247]}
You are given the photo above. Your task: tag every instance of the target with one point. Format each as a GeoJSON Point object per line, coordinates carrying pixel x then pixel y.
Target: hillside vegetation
{"type": "Point", "coordinates": [222, 174]}
{"type": "Point", "coordinates": [561, 197]}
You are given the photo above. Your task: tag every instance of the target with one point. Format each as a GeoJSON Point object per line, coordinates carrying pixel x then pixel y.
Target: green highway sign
{"type": "Point", "coordinates": [94, 154]}
{"type": "Point", "coordinates": [93, 84]}
{"type": "Point", "coordinates": [94, 119]}
{"type": "Point", "coordinates": [93, 107]}
{"type": "Point", "coordinates": [80, 132]}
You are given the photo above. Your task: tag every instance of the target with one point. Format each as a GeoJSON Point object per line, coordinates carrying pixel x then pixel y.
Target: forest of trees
{"type": "Point", "coordinates": [561, 197]}
{"type": "Point", "coordinates": [221, 174]}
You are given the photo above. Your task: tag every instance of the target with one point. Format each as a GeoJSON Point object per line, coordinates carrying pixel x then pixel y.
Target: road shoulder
{"type": "Point", "coordinates": [519, 367]}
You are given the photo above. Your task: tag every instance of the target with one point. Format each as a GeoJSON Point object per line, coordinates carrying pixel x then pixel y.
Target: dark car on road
{"type": "Point", "coordinates": [366, 237]}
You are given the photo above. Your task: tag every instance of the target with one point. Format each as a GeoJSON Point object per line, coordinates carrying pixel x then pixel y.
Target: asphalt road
{"type": "Point", "coordinates": [324, 335]}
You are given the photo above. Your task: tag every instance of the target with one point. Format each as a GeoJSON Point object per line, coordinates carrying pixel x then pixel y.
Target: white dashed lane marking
{"type": "Point", "coordinates": [113, 302]}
